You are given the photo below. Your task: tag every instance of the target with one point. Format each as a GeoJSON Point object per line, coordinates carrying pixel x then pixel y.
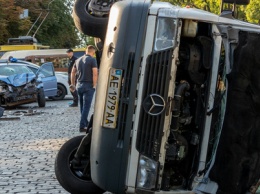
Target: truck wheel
{"type": "Point", "coordinates": [41, 98]}
{"type": "Point", "coordinates": [61, 93]}
{"type": "Point", "coordinates": [86, 23]}
{"type": "Point", "coordinates": [72, 178]}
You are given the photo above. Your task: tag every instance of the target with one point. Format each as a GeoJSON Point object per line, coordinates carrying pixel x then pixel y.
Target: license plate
{"type": "Point", "coordinates": [112, 98]}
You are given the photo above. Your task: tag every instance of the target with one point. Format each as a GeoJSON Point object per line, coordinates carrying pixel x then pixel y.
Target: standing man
{"type": "Point", "coordinates": [72, 60]}
{"type": "Point", "coordinates": [87, 72]}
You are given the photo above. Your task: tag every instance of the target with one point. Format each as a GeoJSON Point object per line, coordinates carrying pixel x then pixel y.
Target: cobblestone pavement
{"type": "Point", "coordinates": [28, 146]}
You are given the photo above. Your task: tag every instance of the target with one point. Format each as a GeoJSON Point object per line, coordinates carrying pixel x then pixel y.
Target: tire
{"type": "Point", "coordinates": [87, 23]}
{"type": "Point", "coordinates": [41, 98]}
{"type": "Point", "coordinates": [72, 179]}
{"type": "Point", "coordinates": [61, 93]}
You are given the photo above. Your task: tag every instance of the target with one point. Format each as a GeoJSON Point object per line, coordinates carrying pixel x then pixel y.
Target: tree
{"type": "Point", "coordinates": [10, 22]}
{"type": "Point", "coordinates": [248, 13]}
{"type": "Point", "coordinates": [59, 27]}
{"type": "Point", "coordinates": [208, 5]}
{"type": "Point", "coordinates": [57, 30]}
{"type": "Point", "coordinates": [55, 26]}
{"type": "Point", "coordinates": [252, 11]}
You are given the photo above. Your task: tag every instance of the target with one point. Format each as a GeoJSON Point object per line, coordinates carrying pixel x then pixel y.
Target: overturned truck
{"type": "Point", "coordinates": [181, 110]}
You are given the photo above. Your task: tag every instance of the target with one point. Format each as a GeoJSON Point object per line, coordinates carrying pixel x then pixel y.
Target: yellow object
{"type": "Point", "coordinates": [6, 48]}
{"type": "Point", "coordinates": [190, 28]}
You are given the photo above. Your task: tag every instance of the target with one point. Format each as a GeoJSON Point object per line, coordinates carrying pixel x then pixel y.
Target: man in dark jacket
{"type": "Point", "coordinates": [72, 60]}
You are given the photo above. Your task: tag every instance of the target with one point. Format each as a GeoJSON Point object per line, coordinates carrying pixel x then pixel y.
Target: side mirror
{"type": "Point", "coordinates": [238, 2]}
{"type": "Point", "coordinates": [231, 13]}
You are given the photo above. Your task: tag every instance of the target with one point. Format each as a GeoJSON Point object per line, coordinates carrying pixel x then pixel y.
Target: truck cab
{"type": "Point", "coordinates": [177, 102]}
{"type": "Point", "coordinates": [166, 107]}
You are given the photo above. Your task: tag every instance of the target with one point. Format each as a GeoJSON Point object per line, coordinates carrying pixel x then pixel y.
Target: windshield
{"type": "Point", "coordinates": [165, 33]}
{"type": "Point", "coordinates": [13, 69]}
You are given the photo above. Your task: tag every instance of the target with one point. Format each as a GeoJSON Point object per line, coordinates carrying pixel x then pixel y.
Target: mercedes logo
{"type": "Point", "coordinates": [154, 104]}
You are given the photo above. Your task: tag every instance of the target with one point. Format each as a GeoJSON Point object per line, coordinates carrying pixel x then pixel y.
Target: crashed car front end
{"type": "Point", "coordinates": [18, 89]}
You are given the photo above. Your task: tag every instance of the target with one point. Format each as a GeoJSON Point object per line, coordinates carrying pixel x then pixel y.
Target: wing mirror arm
{"type": "Point", "coordinates": [231, 13]}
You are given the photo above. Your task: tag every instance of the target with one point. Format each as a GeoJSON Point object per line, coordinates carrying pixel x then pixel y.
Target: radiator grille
{"type": "Point", "coordinates": [124, 99]}
{"type": "Point", "coordinates": [156, 81]}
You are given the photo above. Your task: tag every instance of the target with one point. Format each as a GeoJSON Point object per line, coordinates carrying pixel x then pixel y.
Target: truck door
{"type": "Point", "coordinates": [47, 75]}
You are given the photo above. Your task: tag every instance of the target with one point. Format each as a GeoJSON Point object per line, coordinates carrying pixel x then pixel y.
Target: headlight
{"type": "Point", "coordinates": [10, 88]}
{"type": "Point", "coordinates": [147, 173]}
{"type": "Point", "coordinates": [2, 89]}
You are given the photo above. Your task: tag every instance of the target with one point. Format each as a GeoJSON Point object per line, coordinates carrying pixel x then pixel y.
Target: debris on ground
{"type": "Point", "coordinates": [16, 115]}
{"type": "Point", "coordinates": [29, 112]}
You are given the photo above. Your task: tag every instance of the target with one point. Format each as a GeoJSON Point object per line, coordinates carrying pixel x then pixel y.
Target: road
{"type": "Point", "coordinates": [29, 144]}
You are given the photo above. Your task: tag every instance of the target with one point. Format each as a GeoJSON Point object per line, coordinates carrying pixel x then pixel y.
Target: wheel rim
{"type": "Point", "coordinates": [97, 8]}
{"type": "Point", "coordinates": [59, 92]}
{"type": "Point", "coordinates": [81, 171]}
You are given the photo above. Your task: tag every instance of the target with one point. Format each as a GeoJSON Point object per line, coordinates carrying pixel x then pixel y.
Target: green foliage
{"type": "Point", "coordinates": [90, 41]}
{"type": "Point", "coordinates": [9, 20]}
{"type": "Point", "coordinates": [208, 5]}
{"type": "Point", "coordinates": [252, 11]}
{"type": "Point", "coordinates": [248, 13]}
{"type": "Point", "coordinates": [57, 30]}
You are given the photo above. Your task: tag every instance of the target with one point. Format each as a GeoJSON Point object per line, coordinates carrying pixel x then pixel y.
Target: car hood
{"type": "Point", "coordinates": [18, 79]}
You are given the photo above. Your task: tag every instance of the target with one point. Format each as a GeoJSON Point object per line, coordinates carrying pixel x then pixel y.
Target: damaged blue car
{"type": "Point", "coordinates": [20, 85]}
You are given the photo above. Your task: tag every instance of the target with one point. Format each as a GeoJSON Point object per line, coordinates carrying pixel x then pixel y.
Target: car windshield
{"type": "Point", "coordinates": [13, 69]}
